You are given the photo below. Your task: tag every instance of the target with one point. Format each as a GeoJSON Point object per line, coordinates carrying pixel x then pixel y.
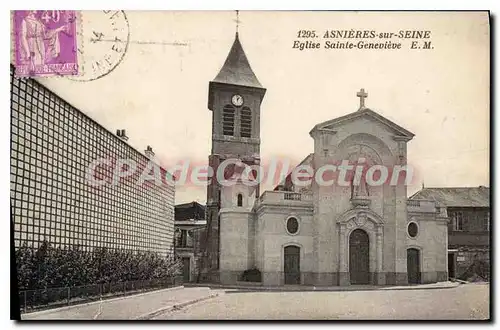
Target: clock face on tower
{"type": "Point", "coordinates": [237, 100]}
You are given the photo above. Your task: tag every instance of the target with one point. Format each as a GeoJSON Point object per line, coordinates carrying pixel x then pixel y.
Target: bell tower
{"type": "Point", "coordinates": [234, 97]}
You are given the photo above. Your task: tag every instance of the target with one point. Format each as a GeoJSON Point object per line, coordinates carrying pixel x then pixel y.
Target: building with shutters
{"type": "Point", "coordinates": [190, 225]}
{"type": "Point", "coordinates": [468, 212]}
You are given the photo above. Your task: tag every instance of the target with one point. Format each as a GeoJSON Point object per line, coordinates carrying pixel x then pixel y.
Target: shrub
{"type": "Point", "coordinates": [49, 267]}
{"type": "Point", "coordinates": [477, 270]}
{"type": "Point", "coordinates": [251, 275]}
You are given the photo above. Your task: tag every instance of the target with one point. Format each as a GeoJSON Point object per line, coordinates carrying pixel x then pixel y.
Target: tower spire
{"type": "Point", "coordinates": [236, 69]}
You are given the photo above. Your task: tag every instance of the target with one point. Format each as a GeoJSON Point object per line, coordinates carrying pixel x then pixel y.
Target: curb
{"type": "Point", "coordinates": [459, 281]}
{"type": "Point", "coordinates": [60, 309]}
{"type": "Point", "coordinates": [331, 289]}
{"type": "Point", "coordinates": [423, 288]}
{"type": "Point", "coordinates": [150, 315]}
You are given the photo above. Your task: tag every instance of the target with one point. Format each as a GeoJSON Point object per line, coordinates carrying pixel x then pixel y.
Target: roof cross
{"type": "Point", "coordinates": [237, 20]}
{"type": "Point", "coordinates": [362, 95]}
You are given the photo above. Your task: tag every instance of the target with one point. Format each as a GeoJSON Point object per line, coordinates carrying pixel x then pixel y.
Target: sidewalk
{"type": "Point", "coordinates": [284, 288]}
{"type": "Point", "coordinates": [140, 306]}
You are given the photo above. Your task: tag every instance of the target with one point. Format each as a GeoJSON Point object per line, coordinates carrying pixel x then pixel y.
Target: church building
{"type": "Point", "coordinates": [316, 234]}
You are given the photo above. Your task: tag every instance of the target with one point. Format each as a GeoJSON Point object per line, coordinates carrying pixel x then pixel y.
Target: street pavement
{"type": "Point", "coordinates": [467, 301]}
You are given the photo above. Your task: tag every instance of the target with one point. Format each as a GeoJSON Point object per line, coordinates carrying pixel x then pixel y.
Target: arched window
{"type": "Point", "coordinates": [246, 122]}
{"type": "Point", "coordinates": [228, 120]}
{"type": "Point", "coordinates": [240, 200]}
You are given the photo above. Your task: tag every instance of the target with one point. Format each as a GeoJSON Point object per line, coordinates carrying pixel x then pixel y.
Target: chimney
{"type": "Point", "coordinates": [149, 152]}
{"type": "Point", "coordinates": [121, 134]}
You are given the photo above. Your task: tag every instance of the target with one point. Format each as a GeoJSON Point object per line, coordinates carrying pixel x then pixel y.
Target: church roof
{"type": "Point", "coordinates": [330, 124]}
{"type": "Point", "coordinates": [456, 197]}
{"type": "Point", "coordinates": [236, 70]}
{"type": "Point", "coordinates": [286, 183]}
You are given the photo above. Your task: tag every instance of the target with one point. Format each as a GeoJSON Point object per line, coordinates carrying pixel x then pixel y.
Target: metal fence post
{"type": "Point", "coordinates": [69, 295]}
{"type": "Point", "coordinates": [25, 301]}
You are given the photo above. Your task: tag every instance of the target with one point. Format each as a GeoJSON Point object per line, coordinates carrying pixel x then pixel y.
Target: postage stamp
{"type": "Point", "coordinates": [45, 43]}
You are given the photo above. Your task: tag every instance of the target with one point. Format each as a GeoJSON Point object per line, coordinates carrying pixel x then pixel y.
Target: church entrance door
{"type": "Point", "coordinates": [292, 264]}
{"type": "Point", "coordinates": [359, 261]}
{"type": "Point", "coordinates": [413, 265]}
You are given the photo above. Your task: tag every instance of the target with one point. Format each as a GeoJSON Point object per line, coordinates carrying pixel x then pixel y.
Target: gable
{"type": "Point", "coordinates": [365, 113]}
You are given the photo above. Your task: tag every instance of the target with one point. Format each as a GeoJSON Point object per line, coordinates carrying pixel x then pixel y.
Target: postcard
{"type": "Point", "coordinates": [305, 165]}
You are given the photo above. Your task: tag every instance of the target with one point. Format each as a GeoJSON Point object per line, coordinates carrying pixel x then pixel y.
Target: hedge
{"type": "Point", "coordinates": [49, 267]}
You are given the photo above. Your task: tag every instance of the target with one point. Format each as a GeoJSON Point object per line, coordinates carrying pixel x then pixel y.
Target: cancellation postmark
{"type": "Point", "coordinates": [45, 43]}
{"type": "Point", "coordinates": [103, 43]}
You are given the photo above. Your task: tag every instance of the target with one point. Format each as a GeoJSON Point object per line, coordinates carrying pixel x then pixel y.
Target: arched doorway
{"type": "Point", "coordinates": [292, 264]}
{"type": "Point", "coordinates": [359, 260]}
{"type": "Point", "coordinates": [413, 265]}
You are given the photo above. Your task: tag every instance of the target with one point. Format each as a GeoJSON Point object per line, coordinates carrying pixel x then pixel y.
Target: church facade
{"type": "Point", "coordinates": [315, 233]}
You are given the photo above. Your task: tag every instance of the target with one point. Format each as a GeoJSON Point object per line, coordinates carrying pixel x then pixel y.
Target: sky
{"type": "Point", "coordinates": [158, 92]}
